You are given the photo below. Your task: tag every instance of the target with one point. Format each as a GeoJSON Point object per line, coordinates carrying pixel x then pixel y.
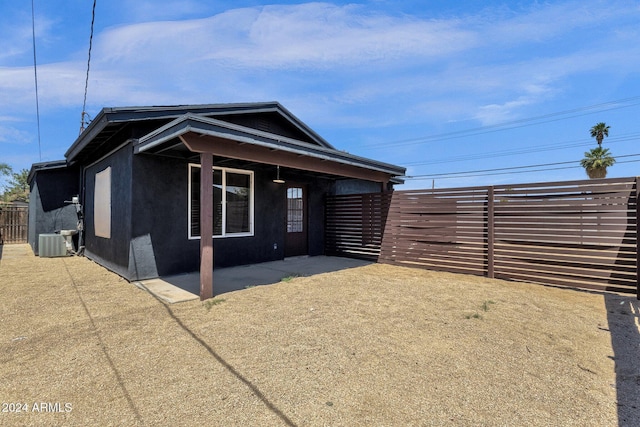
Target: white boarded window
{"type": "Point", "coordinates": [102, 204]}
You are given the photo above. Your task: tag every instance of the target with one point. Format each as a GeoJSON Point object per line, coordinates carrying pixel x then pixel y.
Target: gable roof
{"type": "Point", "coordinates": [111, 121]}
{"type": "Point", "coordinates": [169, 137]}
{"type": "Point", "coordinates": [267, 132]}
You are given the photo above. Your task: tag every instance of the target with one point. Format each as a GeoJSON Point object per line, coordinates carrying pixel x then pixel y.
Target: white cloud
{"type": "Point", "coordinates": [495, 113]}
{"type": "Point", "coordinates": [540, 23]}
{"type": "Point", "coordinates": [139, 10]}
{"type": "Point", "coordinates": [469, 65]}
{"type": "Point", "coordinates": [58, 85]}
{"type": "Point", "coordinates": [16, 35]}
{"type": "Point", "coordinates": [11, 135]}
{"type": "Point", "coordinates": [275, 37]}
{"type": "Point", "coordinates": [326, 35]}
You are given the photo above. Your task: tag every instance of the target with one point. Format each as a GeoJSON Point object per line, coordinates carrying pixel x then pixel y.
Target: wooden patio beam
{"type": "Point", "coordinates": [227, 148]}
{"type": "Point", "coordinates": [206, 226]}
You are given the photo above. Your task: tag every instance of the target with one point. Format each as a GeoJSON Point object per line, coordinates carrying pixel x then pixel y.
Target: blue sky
{"type": "Point", "coordinates": [438, 87]}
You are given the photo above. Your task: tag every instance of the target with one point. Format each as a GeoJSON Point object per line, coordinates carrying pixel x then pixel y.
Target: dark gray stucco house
{"type": "Point", "coordinates": [138, 172]}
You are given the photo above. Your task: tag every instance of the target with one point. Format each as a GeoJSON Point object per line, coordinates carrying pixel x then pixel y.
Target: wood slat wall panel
{"type": "Point", "coordinates": [13, 224]}
{"type": "Point", "coordinates": [586, 193]}
{"type": "Point", "coordinates": [354, 224]}
{"type": "Point", "coordinates": [621, 259]}
{"type": "Point", "coordinates": [438, 265]}
{"type": "Point", "coordinates": [577, 233]}
{"type": "Point", "coordinates": [438, 230]}
{"type": "Point", "coordinates": [573, 225]}
{"type": "Point", "coordinates": [553, 279]}
{"type": "Point", "coordinates": [579, 185]}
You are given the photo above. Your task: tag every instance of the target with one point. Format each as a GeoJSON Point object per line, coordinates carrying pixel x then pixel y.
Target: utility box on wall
{"type": "Point", "coordinates": [51, 245]}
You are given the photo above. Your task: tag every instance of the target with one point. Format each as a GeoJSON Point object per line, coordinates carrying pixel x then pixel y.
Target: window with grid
{"type": "Point", "coordinates": [295, 210]}
{"type": "Point", "coordinates": [232, 202]}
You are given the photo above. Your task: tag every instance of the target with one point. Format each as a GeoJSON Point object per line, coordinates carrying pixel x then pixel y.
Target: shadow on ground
{"type": "Point", "coordinates": [254, 389]}
{"type": "Point", "coordinates": [241, 277]}
{"type": "Point", "coordinates": [623, 313]}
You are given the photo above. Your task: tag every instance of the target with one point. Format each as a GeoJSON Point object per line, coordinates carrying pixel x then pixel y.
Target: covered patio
{"type": "Point", "coordinates": [193, 136]}
{"type": "Point", "coordinates": [186, 287]}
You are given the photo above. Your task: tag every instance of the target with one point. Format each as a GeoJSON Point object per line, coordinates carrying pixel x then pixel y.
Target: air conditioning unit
{"type": "Point", "coordinates": [51, 245]}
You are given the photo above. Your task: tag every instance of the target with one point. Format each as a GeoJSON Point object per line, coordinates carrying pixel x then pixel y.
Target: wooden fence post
{"type": "Point", "coordinates": [490, 232]}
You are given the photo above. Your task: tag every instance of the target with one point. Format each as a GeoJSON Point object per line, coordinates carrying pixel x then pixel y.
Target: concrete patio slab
{"type": "Point", "coordinates": [166, 291]}
{"type": "Point", "coordinates": [186, 287]}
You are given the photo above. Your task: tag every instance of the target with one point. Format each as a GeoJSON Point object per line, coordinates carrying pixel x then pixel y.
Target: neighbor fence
{"type": "Point", "coordinates": [581, 234]}
{"type": "Point", "coordinates": [13, 223]}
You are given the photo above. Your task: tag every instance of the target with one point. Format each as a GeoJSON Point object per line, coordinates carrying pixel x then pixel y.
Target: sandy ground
{"type": "Point", "coordinates": [370, 346]}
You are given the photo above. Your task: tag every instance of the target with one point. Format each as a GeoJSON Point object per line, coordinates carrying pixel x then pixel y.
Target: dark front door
{"type": "Point", "coordinates": [296, 226]}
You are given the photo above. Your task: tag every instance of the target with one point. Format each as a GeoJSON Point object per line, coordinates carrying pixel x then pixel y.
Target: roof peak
{"type": "Point", "coordinates": [219, 105]}
{"type": "Point", "coordinates": [119, 116]}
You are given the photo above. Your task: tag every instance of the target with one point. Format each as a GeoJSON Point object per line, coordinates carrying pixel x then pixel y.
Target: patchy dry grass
{"type": "Point", "coordinates": [376, 345]}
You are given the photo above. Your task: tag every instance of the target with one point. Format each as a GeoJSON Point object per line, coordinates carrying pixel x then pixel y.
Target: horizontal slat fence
{"type": "Point", "coordinates": [581, 234]}
{"type": "Point", "coordinates": [13, 224]}
{"type": "Point", "coordinates": [354, 224]}
{"type": "Point", "coordinates": [438, 230]}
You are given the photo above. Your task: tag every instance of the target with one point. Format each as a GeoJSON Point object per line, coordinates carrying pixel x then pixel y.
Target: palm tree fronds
{"type": "Point", "coordinates": [596, 161]}
{"type": "Point", "coordinates": [599, 131]}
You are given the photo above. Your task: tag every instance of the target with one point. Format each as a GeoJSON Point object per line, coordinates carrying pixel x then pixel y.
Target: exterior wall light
{"type": "Point", "coordinates": [278, 180]}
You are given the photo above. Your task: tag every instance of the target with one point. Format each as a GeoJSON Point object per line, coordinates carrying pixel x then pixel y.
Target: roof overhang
{"type": "Point", "coordinates": [206, 135]}
{"type": "Point", "coordinates": [45, 166]}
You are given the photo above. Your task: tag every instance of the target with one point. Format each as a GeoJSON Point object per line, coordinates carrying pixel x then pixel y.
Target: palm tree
{"type": "Point", "coordinates": [599, 131]}
{"type": "Point", "coordinates": [596, 161]}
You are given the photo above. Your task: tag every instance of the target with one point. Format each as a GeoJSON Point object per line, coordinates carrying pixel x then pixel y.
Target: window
{"type": "Point", "coordinates": [295, 210]}
{"type": "Point", "coordinates": [232, 202]}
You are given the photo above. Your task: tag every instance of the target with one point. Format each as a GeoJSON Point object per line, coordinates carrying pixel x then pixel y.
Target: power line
{"type": "Point", "coordinates": [514, 124]}
{"type": "Point", "coordinates": [35, 74]}
{"type": "Point", "coordinates": [508, 173]}
{"type": "Point", "coordinates": [86, 82]}
{"type": "Point", "coordinates": [518, 151]}
{"type": "Point", "coordinates": [509, 170]}
{"type": "Point", "coordinates": [501, 153]}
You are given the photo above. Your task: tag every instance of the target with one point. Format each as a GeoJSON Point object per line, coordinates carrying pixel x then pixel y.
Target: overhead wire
{"type": "Point", "coordinates": [508, 173]}
{"type": "Point", "coordinates": [35, 75]}
{"type": "Point", "coordinates": [518, 151]}
{"type": "Point", "coordinates": [86, 82]}
{"type": "Point", "coordinates": [513, 124]}
{"type": "Point", "coordinates": [510, 170]}
{"type": "Point", "coordinates": [499, 153]}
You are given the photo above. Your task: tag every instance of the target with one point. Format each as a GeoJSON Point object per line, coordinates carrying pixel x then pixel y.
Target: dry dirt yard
{"type": "Point", "coordinates": [371, 346]}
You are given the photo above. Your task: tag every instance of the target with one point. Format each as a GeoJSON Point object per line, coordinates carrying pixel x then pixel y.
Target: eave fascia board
{"type": "Point", "coordinates": [42, 166]}
{"type": "Point", "coordinates": [95, 127]}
